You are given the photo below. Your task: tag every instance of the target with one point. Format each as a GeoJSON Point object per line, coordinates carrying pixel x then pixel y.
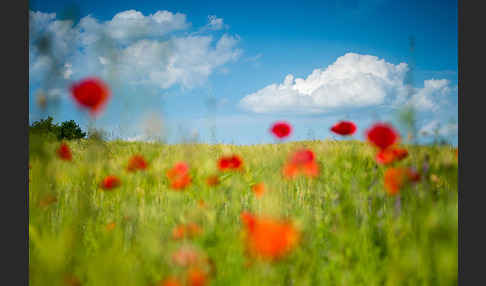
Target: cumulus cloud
{"type": "Point", "coordinates": [215, 23]}
{"type": "Point", "coordinates": [435, 127]}
{"type": "Point", "coordinates": [432, 95]}
{"type": "Point", "coordinates": [137, 49]}
{"type": "Point", "coordinates": [353, 80]}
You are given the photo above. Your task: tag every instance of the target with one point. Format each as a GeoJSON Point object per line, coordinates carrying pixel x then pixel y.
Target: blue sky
{"type": "Point", "coordinates": [194, 67]}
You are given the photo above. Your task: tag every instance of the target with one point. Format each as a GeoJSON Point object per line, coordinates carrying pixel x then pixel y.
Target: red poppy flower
{"type": "Point", "coordinates": [344, 128]}
{"type": "Point", "coordinates": [201, 204]}
{"type": "Point", "coordinates": [259, 189]}
{"type": "Point", "coordinates": [302, 157]}
{"type": "Point", "coordinates": [110, 226]}
{"type": "Point", "coordinates": [110, 182]}
{"type": "Point", "coordinates": [185, 256]}
{"type": "Point", "coordinates": [137, 162]}
{"type": "Point", "coordinates": [212, 180]}
{"type": "Point", "coordinates": [170, 281]}
{"type": "Point", "coordinates": [390, 155]}
{"type": "Point", "coordinates": [233, 162]}
{"type": "Point", "coordinates": [267, 238]}
{"type": "Point", "coordinates": [71, 280]}
{"type": "Point", "coordinates": [189, 230]}
{"type": "Point", "coordinates": [64, 152]}
{"type": "Point", "coordinates": [91, 93]}
{"type": "Point", "coordinates": [382, 135]}
{"type": "Point", "coordinates": [196, 277]}
{"type": "Point", "coordinates": [301, 162]}
{"type": "Point", "coordinates": [48, 200]}
{"type": "Point", "coordinates": [397, 178]}
{"type": "Point", "coordinates": [281, 129]}
{"type": "Point", "coordinates": [179, 176]}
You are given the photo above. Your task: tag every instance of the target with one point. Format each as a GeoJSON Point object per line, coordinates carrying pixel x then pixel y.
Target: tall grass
{"type": "Point", "coordinates": [353, 233]}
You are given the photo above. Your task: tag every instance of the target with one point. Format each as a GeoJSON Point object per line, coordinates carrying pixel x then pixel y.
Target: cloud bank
{"type": "Point", "coordinates": [352, 81]}
{"type": "Point", "coordinates": [155, 50]}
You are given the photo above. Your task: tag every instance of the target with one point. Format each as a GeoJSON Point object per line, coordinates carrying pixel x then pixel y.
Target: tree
{"type": "Point", "coordinates": [70, 130]}
{"type": "Point", "coordinates": [67, 130]}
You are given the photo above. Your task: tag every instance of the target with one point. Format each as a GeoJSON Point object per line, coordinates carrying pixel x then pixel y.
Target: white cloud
{"type": "Point", "coordinates": [353, 80]}
{"type": "Point", "coordinates": [432, 94]}
{"type": "Point", "coordinates": [136, 49]}
{"type": "Point", "coordinates": [131, 24]}
{"type": "Point", "coordinates": [435, 127]}
{"type": "Point", "coordinates": [215, 23]}
{"type": "Point", "coordinates": [68, 71]}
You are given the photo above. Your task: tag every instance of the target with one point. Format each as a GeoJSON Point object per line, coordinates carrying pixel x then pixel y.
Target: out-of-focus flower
{"type": "Point", "coordinates": [48, 200]}
{"type": "Point", "coordinates": [110, 182]}
{"type": "Point", "coordinates": [110, 226]}
{"type": "Point", "coordinates": [396, 178]}
{"type": "Point", "coordinates": [233, 162]}
{"type": "Point", "coordinates": [201, 204]}
{"type": "Point", "coordinates": [64, 152]}
{"type": "Point", "coordinates": [186, 256]}
{"type": "Point", "coordinates": [301, 162]}
{"type": "Point", "coordinates": [212, 180]}
{"type": "Point", "coordinates": [390, 155]}
{"type": "Point", "coordinates": [281, 129]}
{"type": "Point", "coordinates": [170, 281]}
{"type": "Point", "coordinates": [71, 280]}
{"type": "Point", "coordinates": [179, 176]}
{"type": "Point", "coordinates": [91, 93]}
{"type": "Point", "coordinates": [259, 189]}
{"type": "Point", "coordinates": [382, 135]}
{"type": "Point", "coordinates": [189, 230]}
{"type": "Point", "coordinates": [137, 162]}
{"type": "Point", "coordinates": [344, 128]}
{"type": "Point", "coordinates": [196, 277]}
{"type": "Point", "coordinates": [269, 239]}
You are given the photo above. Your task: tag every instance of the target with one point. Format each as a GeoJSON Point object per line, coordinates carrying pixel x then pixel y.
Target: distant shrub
{"type": "Point", "coordinates": [67, 130]}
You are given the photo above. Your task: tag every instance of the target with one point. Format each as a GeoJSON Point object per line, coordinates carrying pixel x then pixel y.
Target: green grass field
{"type": "Point", "coordinates": [352, 231]}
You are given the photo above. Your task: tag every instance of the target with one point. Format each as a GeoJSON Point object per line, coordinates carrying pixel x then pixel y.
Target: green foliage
{"type": "Point", "coordinates": [66, 130]}
{"type": "Point", "coordinates": [352, 232]}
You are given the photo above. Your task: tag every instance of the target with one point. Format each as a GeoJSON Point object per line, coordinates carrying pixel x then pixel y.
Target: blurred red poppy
{"type": "Point", "coordinates": [382, 135]}
{"type": "Point", "coordinates": [390, 155]}
{"type": "Point", "coordinates": [344, 128]}
{"type": "Point", "coordinates": [269, 239]}
{"type": "Point", "coordinates": [136, 162]}
{"type": "Point", "coordinates": [201, 204]}
{"type": "Point", "coordinates": [301, 162]}
{"type": "Point", "coordinates": [71, 280]}
{"type": "Point", "coordinates": [110, 226]}
{"type": "Point", "coordinates": [64, 152]}
{"type": "Point", "coordinates": [91, 93]}
{"type": "Point", "coordinates": [179, 176]}
{"type": "Point", "coordinates": [170, 281]}
{"type": "Point", "coordinates": [281, 129]}
{"type": "Point", "coordinates": [185, 256]}
{"type": "Point", "coordinates": [233, 162]}
{"type": "Point", "coordinates": [396, 178]}
{"type": "Point", "coordinates": [212, 180]}
{"type": "Point", "coordinates": [189, 230]}
{"type": "Point", "coordinates": [48, 200]}
{"type": "Point", "coordinates": [110, 182]}
{"type": "Point", "coordinates": [196, 277]}
{"type": "Point", "coordinates": [259, 189]}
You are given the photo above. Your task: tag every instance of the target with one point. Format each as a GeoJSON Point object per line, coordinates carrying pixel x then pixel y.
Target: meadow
{"type": "Point", "coordinates": [351, 231]}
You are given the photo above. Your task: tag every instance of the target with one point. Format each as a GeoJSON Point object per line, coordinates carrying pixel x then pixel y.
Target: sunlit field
{"type": "Point", "coordinates": [182, 215]}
